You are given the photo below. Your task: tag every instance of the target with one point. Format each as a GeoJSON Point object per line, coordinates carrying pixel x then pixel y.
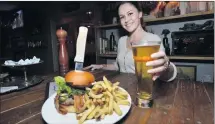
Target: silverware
{"type": "Point", "coordinates": [80, 47]}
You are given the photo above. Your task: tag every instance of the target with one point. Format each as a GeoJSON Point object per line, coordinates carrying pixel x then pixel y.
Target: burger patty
{"type": "Point", "coordinates": [68, 101]}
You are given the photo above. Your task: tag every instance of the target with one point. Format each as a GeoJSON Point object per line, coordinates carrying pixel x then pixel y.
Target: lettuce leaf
{"type": "Point", "coordinates": [62, 87]}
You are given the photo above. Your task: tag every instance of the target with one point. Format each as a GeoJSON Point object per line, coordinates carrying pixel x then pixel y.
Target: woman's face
{"type": "Point", "coordinates": [129, 17]}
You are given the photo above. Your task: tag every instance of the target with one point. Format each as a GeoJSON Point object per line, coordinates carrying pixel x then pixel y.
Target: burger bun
{"type": "Point", "coordinates": [79, 78]}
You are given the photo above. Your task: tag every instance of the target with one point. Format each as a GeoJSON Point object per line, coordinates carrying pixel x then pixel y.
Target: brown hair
{"type": "Point", "coordinates": [137, 5]}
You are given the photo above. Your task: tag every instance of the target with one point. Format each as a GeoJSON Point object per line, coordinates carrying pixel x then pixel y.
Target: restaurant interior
{"type": "Point", "coordinates": [36, 36]}
{"type": "Point", "coordinates": [28, 33]}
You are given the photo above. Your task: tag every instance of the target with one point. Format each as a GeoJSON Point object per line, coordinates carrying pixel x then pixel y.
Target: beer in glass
{"type": "Point", "coordinates": [142, 54]}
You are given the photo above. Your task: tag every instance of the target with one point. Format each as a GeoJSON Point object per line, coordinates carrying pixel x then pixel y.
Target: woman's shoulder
{"type": "Point", "coordinates": [150, 36]}
{"type": "Point", "coordinates": [123, 39]}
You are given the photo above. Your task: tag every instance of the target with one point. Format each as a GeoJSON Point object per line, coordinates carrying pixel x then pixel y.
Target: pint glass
{"type": "Point", "coordinates": [142, 54]}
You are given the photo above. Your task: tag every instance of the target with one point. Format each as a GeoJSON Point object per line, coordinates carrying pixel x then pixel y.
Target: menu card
{"type": "Point", "coordinates": [52, 88]}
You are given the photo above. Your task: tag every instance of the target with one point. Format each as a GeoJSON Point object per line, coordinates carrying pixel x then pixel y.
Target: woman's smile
{"type": "Point", "coordinates": [129, 24]}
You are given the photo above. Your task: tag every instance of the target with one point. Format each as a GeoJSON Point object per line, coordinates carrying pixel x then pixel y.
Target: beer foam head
{"type": "Point", "coordinates": [147, 43]}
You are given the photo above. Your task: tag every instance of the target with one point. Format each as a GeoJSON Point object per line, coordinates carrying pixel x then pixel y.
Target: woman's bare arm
{"type": "Point", "coordinates": [102, 66]}
{"type": "Point", "coordinates": [109, 67]}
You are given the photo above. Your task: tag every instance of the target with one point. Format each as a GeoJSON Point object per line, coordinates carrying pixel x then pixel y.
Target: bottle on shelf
{"type": "Point", "coordinates": [112, 42]}
{"type": "Point", "coordinates": [165, 41]}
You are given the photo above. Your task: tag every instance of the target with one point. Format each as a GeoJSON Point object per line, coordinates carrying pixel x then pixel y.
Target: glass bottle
{"type": "Point", "coordinates": [165, 41]}
{"type": "Point", "coordinates": [112, 42]}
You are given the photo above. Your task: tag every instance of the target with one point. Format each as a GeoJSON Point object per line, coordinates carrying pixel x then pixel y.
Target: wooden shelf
{"type": "Point", "coordinates": [193, 31]}
{"type": "Point", "coordinates": [165, 19]}
{"type": "Point", "coordinates": [181, 16]}
{"type": "Point", "coordinates": [191, 58]}
{"type": "Point", "coordinates": [170, 57]}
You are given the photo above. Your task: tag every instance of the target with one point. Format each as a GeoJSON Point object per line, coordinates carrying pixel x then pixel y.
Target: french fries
{"type": "Point", "coordinates": [108, 85]}
{"type": "Point", "coordinates": [94, 95]}
{"type": "Point", "coordinates": [86, 113]}
{"type": "Point", "coordinates": [123, 102]}
{"type": "Point", "coordinates": [103, 99]}
{"type": "Point", "coordinates": [117, 109]}
{"type": "Point", "coordinates": [90, 116]}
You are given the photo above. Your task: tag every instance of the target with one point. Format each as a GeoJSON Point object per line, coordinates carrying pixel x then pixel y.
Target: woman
{"type": "Point", "coordinates": [131, 15]}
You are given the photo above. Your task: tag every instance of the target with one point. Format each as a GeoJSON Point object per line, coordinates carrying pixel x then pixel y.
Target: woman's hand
{"type": "Point", "coordinates": [93, 67]}
{"type": "Point", "coordinates": [160, 64]}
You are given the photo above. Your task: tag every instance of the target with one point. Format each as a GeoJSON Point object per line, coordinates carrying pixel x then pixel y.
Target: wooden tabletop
{"type": "Point", "coordinates": [177, 102]}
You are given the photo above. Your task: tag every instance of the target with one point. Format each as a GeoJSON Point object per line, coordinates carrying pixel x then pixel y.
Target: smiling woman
{"type": "Point", "coordinates": [131, 19]}
{"type": "Point", "coordinates": [136, 11]}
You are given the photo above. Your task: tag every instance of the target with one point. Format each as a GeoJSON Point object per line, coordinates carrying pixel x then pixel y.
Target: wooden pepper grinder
{"type": "Point", "coordinates": [63, 54]}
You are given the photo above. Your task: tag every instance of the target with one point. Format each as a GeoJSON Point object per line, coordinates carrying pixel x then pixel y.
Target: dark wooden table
{"type": "Point", "coordinates": [177, 102]}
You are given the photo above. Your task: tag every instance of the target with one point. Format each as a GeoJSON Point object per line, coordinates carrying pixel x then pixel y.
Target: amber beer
{"type": "Point", "coordinates": [141, 54]}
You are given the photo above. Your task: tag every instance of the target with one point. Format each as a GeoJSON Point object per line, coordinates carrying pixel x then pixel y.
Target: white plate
{"type": "Point", "coordinates": [51, 116]}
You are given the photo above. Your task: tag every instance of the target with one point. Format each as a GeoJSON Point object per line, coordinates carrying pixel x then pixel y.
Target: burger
{"type": "Point", "coordinates": [71, 90]}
